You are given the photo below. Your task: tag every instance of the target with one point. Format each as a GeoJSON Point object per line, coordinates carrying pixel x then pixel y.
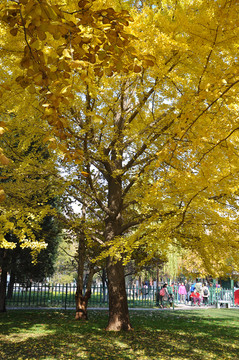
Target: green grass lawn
{"type": "Point", "coordinates": [189, 334]}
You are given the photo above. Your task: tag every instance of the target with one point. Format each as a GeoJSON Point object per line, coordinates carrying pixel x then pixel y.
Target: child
{"type": "Point", "coordinates": [170, 300]}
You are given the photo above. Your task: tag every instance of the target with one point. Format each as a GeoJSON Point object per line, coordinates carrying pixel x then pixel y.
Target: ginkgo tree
{"type": "Point", "coordinates": [29, 180]}
{"type": "Point", "coordinates": [30, 200]}
{"type": "Point", "coordinates": [160, 151]}
{"type": "Point", "coordinates": [156, 137]}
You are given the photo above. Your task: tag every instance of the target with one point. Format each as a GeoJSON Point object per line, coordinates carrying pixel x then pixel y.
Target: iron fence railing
{"type": "Point", "coordinates": [63, 296]}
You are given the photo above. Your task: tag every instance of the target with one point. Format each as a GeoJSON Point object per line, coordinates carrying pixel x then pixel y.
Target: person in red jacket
{"type": "Point", "coordinates": [195, 296]}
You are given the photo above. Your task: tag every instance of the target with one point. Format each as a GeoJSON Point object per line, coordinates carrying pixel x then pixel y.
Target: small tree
{"type": "Point", "coordinates": [80, 231]}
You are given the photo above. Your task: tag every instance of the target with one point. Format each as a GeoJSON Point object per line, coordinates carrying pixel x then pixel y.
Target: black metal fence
{"type": "Point", "coordinates": [63, 296]}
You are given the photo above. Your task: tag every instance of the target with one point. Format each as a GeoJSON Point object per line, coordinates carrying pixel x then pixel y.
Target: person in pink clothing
{"type": "Point", "coordinates": [182, 293]}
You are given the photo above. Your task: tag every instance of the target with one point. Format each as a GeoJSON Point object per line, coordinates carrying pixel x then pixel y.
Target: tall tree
{"type": "Point", "coordinates": [151, 144]}
{"type": "Point", "coordinates": [157, 143]}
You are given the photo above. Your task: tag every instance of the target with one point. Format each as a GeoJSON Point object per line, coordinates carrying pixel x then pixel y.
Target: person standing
{"type": "Point", "coordinates": [188, 287]}
{"type": "Point", "coordinates": [163, 295]}
{"type": "Point", "coordinates": [198, 286]}
{"type": "Point", "coordinates": [182, 293]}
{"type": "Point", "coordinates": [205, 294]}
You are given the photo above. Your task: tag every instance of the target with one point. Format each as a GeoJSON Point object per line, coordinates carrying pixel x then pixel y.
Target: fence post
{"type": "Point", "coordinates": [30, 291]}
{"type": "Point", "coordinates": [66, 297]}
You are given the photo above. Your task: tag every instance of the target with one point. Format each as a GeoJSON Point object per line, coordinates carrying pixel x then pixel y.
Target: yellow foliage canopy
{"type": "Point", "coordinates": [150, 105]}
{"type": "Point", "coordinates": [60, 40]}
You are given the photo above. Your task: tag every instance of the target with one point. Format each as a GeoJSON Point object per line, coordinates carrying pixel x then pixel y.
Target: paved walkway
{"type": "Point", "coordinates": [176, 307]}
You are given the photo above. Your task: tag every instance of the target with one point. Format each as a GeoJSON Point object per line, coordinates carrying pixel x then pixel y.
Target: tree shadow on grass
{"type": "Point", "coordinates": [158, 335]}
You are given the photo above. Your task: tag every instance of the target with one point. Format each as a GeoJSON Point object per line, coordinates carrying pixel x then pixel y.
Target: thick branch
{"type": "Point", "coordinates": [83, 202]}
{"type": "Point", "coordinates": [153, 136]}
{"type": "Point", "coordinates": [187, 206]}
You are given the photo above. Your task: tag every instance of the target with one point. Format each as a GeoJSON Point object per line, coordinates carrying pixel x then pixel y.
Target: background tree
{"type": "Point", "coordinates": [28, 183]}
{"type": "Point", "coordinates": [28, 217]}
{"type": "Point", "coordinates": [81, 230]}
{"type": "Point", "coordinates": [65, 269]}
{"type": "Point", "coordinates": [22, 270]}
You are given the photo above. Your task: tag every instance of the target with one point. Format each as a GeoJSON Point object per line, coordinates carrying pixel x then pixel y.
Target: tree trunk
{"type": "Point", "coordinates": [11, 285]}
{"type": "Point", "coordinates": [81, 305]}
{"type": "Point", "coordinates": [80, 299]}
{"type": "Point", "coordinates": [104, 283]}
{"type": "Point", "coordinates": [3, 283]}
{"type": "Point", "coordinates": [118, 305]}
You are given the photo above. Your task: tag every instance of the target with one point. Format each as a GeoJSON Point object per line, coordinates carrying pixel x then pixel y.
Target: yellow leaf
{"type": "Point", "coordinates": [31, 89]}
{"type": "Point", "coordinates": [36, 45]}
{"type": "Point", "coordinates": [137, 69]}
{"type": "Point", "coordinates": [2, 195]}
{"type": "Point", "coordinates": [147, 63]}
{"type": "Point", "coordinates": [41, 35]}
{"type": "Point", "coordinates": [49, 111]}
{"type": "Point", "coordinates": [109, 72]}
{"type": "Point", "coordinates": [66, 54]}
{"type": "Point", "coordinates": [14, 31]}
{"type": "Point", "coordinates": [65, 90]}
{"type": "Point", "coordinates": [4, 160]}
{"type": "Point", "coordinates": [38, 79]}
{"type": "Point", "coordinates": [49, 11]}
{"type": "Point", "coordinates": [76, 64]}
{"type": "Point", "coordinates": [98, 118]}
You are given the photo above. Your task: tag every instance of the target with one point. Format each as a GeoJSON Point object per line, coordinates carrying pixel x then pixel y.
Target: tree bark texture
{"type": "Point", "coordinates": [81, 305]}
{"type": "Point", "coordinates": [80, 299]}
{"type": "Point", "coordinates": [118, 305]}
